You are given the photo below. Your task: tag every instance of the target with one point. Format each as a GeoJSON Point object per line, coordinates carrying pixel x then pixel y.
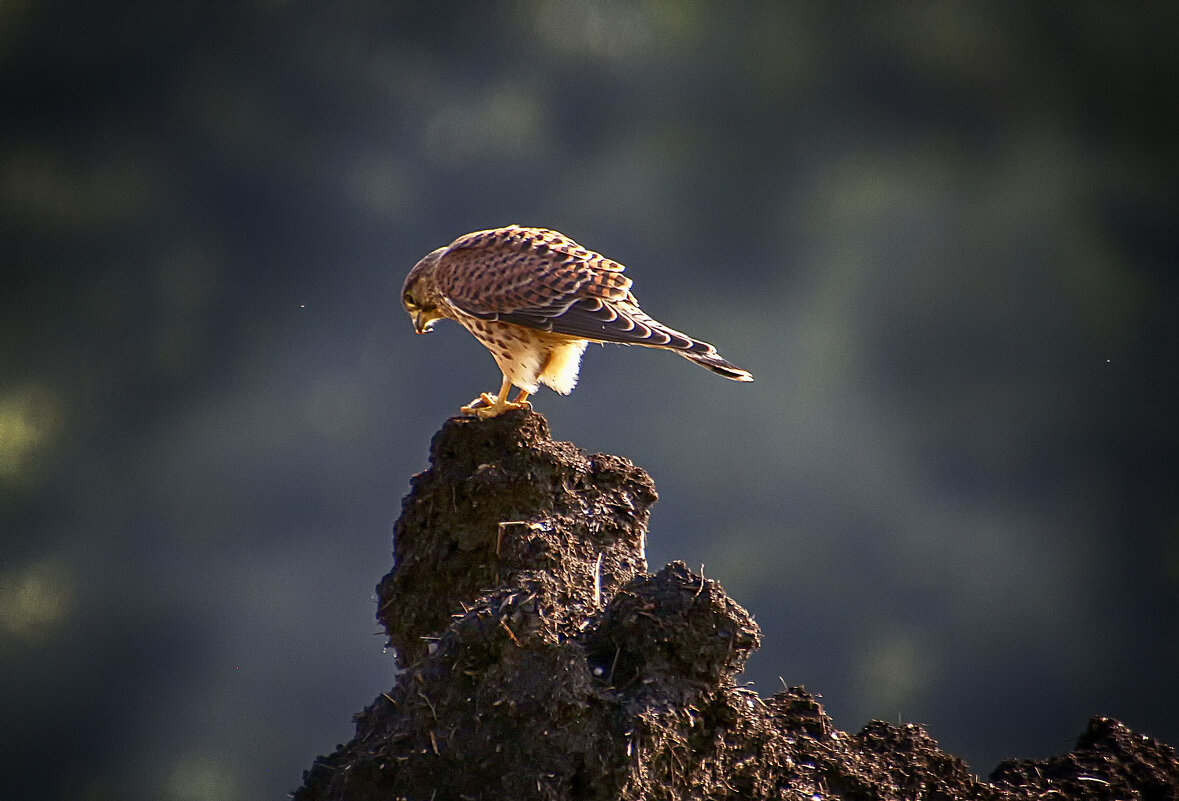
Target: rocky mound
{"type": "Point", "coordinates": [540, 660]}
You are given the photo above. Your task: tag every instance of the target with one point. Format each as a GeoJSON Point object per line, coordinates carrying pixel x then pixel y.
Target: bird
{"type": "Point", "coordinates": [535, 299]}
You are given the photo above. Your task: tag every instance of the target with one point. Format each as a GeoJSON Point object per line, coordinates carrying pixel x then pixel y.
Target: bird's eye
{"type": "Point", "coordinates": [409, 301]}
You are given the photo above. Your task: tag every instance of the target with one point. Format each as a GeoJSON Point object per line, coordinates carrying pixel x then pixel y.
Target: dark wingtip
{"type": "Point", "coordinates": [712, 361]}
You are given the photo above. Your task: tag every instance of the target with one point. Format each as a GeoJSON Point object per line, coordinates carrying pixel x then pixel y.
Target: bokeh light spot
{"type": "Point", "coordinates": [893, 671]}
{"type": "Point", "coordinates": [202, 778]}
{"type": "Point", "coordinates": [36, 599]}
{"type": "Point", "coordinates": [28, 420]}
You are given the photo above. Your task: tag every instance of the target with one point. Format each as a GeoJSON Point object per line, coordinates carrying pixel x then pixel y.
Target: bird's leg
{"type": "Point", "coordinates": [486, 399]}
{"type": "Point", "coordinates": [487, 405]}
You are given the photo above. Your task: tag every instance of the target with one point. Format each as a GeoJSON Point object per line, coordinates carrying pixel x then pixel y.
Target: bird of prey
{"type": "Point", "coordinates": [535, 298]}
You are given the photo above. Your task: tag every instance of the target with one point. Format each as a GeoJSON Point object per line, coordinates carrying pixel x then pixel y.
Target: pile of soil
{"type": "Point", "coordinates": [538, 659]}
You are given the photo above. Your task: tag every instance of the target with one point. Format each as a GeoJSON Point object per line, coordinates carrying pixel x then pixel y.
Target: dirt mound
{"type": "Point", "coordinates": [539, 660]}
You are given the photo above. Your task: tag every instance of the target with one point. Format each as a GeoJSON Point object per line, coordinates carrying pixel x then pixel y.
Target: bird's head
{"type": "Point", "coordinates": [420, 297]}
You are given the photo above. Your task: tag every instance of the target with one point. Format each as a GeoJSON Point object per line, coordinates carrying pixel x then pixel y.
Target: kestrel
{"type": "Point", "coordinates": [535, 299]}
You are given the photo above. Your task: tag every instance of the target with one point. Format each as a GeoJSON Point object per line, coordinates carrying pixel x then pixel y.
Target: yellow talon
{"type": "Point", "coordinates": [488, 405]}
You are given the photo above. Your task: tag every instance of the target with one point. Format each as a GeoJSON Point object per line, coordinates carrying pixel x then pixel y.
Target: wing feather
{"type": "Point", "coordinates": [506, 270]}
{"type": "Point", "coordinates": [541, 279]}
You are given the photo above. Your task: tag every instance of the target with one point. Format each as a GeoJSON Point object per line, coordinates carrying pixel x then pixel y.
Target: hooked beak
{"type": "Point", "coordinates": [422, 325]}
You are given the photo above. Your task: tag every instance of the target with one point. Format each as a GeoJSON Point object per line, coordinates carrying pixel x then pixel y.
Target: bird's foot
{"type": "Point", "coordinates": [488, 405]}
{"type": "Point", "coordinates": [484, 400]}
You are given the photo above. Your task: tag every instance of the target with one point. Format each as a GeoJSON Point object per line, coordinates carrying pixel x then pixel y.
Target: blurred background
{"type": "Point", "coordinates": [942, 235]}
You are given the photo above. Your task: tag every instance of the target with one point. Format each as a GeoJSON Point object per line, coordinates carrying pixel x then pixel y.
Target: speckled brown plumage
{"type": "Point", "coordinates": [535, 298]}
